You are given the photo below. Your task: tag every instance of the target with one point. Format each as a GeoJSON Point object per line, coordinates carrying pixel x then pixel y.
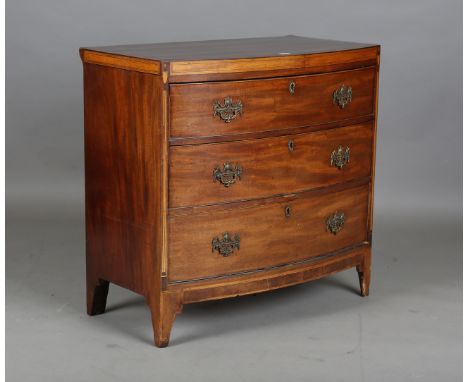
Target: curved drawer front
{"type": "Point", "coordinates": [235, 107]}
{"type": "Point", "coordinates": [217, 241]}
{"type": "Point", "coordinates": [221, 172]}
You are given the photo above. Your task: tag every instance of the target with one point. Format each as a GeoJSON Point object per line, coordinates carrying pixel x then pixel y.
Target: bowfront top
{"type": "Point", "coordinates": [210, 59]}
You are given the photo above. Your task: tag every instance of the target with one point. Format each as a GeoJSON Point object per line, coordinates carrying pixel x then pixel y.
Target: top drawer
{"type": "Point", "coordinates": [236, 107]}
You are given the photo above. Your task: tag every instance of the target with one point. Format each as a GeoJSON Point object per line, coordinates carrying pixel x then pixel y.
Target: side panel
{"type": "Point", "coordinates": [123, 149]}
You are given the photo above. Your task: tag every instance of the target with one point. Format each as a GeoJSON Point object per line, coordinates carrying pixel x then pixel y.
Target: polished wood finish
{"type": "Point", "coordinates": [266, 280]}
{"type": "Point", "coordinates": [359, 56]}
{"type": "Point", "coordinates": [123, 147]}
{"type": "Point", "coordinates": [268, 104]}
{"type": "Point", "coordinates": [374, 151]}
{"type": "Point", "coordinates": [267, 236]}
{"type": "Point", "coordinates": [121, 62]}
{"type": "Point", "coordinates": [152, 143]}
{"type": "Point", "coordinates": [164, 307]}
{"type": "Point", "coordinates": [244, 48]}
{"type": "Point", "coordinates": [232, 59]}
{"type": "Point", "coordinates": [184, 141]}
{"type": "Point", "coordinates": [122, 166]}
{"type": "Point", "coordinates": [269, 165]}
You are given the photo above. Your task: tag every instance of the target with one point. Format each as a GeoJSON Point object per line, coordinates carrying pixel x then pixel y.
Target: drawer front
{"type": "Point", "coordinates": [218, 241]}
{"type": "Point", "coordinates": [229, 108]}
{"type": "Point", "coordinates": [222, 172]}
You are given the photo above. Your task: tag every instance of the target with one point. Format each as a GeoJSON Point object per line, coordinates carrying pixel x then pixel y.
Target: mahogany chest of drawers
{"type": "Point", "coordinates": [222, 168]}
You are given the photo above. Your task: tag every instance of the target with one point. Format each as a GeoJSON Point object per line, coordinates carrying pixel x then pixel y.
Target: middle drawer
{"type": "Point", "coordinates": [250, 169]}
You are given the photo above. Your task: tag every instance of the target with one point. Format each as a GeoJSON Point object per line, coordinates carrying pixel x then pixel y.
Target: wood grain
{"type": "Point", "coordinates": [120, 62]}
{"type": "Point", "coordinates": [122, 156]}
{"type": "Point", "coordinates": [243, 48]}
{"type": "Point", "coordinates": [267, 236]}
{"type": "Point", "coordinates": [272, 279]}
{"type": "Point", "coordinates": [152, 143]}
{"type": "Point", "coordinates": [374, 149]}
{"type": "Point", "coordinates": [213, 60]}
{"type": "Point", "coordinates": [268, 165]}
{"type": "Point", "coordinates": [183, 141]}
{"type": "Point", "coordinates": [268, 104]}
{"type": "Point", "coordinates": [164, 307]}
{"type": "Point", "coordinates": [312, 63]}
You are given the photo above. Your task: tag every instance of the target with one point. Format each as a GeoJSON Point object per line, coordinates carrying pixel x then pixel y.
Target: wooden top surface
{"type": "Point", "coordinates": [230, 49]}
{"type": "Point", "coordinates": [235, 59]}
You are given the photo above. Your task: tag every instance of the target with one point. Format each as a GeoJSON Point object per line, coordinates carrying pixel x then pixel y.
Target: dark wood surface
{"type": "Point", "coordinates": [152, 142]}
{"type": "Point", "coordinates": [270, 67]}
{"type": "Point", "coordinates": [268, 104]}
{"type": "Point", "coordinates": [186, 141]}
{"type": "Point", "coordinates": [236, 59]}
{"type": "Point", "coordinates": [267, 236]}
{"type": "Point", "coordinates": [231, 48]}
{"type": "Point", "coordinates": [122, 149]}
{"type": "Point", "coordinates": [268, 165]}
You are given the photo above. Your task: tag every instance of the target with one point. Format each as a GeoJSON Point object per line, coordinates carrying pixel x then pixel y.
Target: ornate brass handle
{"type": "Point", "coordinates": [335, 222]}
{"type": "Point", "coordinates": [228, 175]}
{"type": "Point", "coordinates": [228, 111]}
{"type": "Point", "coordinates": [292, 87]}
{"type": "Point", "coordinates": [226, 245]}
{"type": "Point", "coordinates": [342, 96]}
{"type": "Point", "coordinates": [340, 157]}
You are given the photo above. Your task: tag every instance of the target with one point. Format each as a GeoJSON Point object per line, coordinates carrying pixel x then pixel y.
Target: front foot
{"type": "Point", "coordinates": [364, 285]}
{"type": "Point", "coordinates": [364, 273]}
{"type": "Point", "coordinates": [164, 308]}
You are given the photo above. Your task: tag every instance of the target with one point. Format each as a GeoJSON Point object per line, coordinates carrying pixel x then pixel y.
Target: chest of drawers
{"type": "Point", "coordinates": [222, 168]}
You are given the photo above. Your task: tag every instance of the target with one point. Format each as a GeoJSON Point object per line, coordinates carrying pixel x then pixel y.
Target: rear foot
{"type": "Point", "coordinates": [97, 297]}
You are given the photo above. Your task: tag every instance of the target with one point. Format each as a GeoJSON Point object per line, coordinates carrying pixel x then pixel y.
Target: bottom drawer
{"type": "Point", "coordinates": [219, 240]}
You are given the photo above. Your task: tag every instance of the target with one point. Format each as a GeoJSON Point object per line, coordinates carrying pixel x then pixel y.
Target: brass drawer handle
{"type": "Point", "coordinates": [335, 222]}
{"type": "Point", "coordinates": [292, 87]}
{"type": "Point", "coordinates": [226, 245]}
{"type": "Point", "coordinates": [228, 175]}
{"type": "Point", "coordinates": [228, 111]}
{"type": "Point", "coordinates": [340, 157]}
{"type": "Point", "coordinates": [342, 96]}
